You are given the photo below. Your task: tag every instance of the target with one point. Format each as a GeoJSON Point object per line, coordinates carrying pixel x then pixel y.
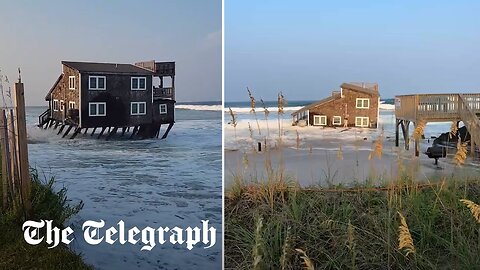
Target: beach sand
{"type": "Point", "coordinates": [313, 158]}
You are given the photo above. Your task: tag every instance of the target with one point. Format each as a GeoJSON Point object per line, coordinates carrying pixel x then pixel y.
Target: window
{"type": "Point", "coordinates": [97, 82]}
{"type": "Point", "coordinates": [139, 83]}
{"type": "Point", "coordinates": [362, 122]}
{"type": "Point", "coordinates": [62, 105]}
{"type": "Point", "coordinates": [319, 120]}
{"type": "Point", "coordinates": [337, 120]}
{"type": "Point", "coordinates": [55, 105]}
{"type": "Point", "coordinates": [163, 108]}
{"type": "Point", "coordinates": [71, 105]}
{"type": "Point", "coordinates": [363, 103]}
{"type": "Point", "coordinates": [138, 108]}
{"type": "Point", "coordinates": [71, 82]}
{"type": "Point", "coordinates": [97, 109]}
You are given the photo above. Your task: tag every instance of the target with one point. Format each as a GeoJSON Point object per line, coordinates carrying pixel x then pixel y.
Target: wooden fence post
{"type": "Point", "coordinates": [21, 138]}
{"type": "Point", "coordinates": [4, 155]}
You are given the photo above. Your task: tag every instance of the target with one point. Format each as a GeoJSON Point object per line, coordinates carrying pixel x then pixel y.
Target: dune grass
{"type": "Point", "coordinates": [314, 228]}
{"type": "Point", "coordinates": [47, 204]}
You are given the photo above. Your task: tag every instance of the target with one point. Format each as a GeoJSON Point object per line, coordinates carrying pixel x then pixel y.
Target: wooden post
{"type": "Point", "coordinates": [133, 132]}
{"type": "Point", "coordinates": [19, 102]}
{"type": "Point", "coordinates": [77, 130]}
{"type": "Point", "coordinates": [5, 159]}
{"type": "Point", "coordinates": [101, 133]}
{"type": "Point", "coordinates": [61, 129]}
{"type": "Point", "coordinates": [85, 132]}
{"type": "Point", "coordinates": [417, 143]}
{"type": "Point", "coordinates": [397, 130]}
{"type": "Point", "coordinates": [93, 132]}
{"type": "Point", "coordinates": [114, 130]}
{"type": "Point", "coordinates": [68, 130]}
{"type": "Point", "coordinates": [168, 130]}
{"type": "Point", "coordinates": [123, 131]}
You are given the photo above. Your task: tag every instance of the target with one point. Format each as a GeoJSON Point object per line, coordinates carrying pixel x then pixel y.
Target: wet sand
{"type": "Point", "coordinates": [318, 162]}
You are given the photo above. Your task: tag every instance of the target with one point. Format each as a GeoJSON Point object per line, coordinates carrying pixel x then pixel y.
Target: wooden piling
{"type": "Point", "coordinates": [170, 125]}
{"type": "Point", "coordinates": [135, 129]}
{"type": "Point", "coordinates": [61, 129]}
{"type": "Point", "coordinates": [114, 130]}
{"type": "Point", "coordinates": [68, 130]}
{"type": "Point", "coordinates": [101, 133]}
{"type": "Point", "coordinates": [93, 132]}
{"type": "Point", "coordinates": [77, 130]}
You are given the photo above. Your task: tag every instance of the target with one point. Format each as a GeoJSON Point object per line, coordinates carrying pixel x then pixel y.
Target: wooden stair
{"type": "Point", "coordinates": [470, 120]}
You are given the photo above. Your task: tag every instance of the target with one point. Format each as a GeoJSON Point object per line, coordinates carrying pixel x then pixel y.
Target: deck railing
{"type": "Point", "coordinates": [166, 92]}
{"type": "Point", "coordinates": [470, 117]}
{"type": "Point", "coordinates": [434, 107]}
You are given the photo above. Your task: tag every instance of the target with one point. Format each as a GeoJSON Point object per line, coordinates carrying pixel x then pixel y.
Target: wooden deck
{"type": "Point", "coordinates": [438, 108]}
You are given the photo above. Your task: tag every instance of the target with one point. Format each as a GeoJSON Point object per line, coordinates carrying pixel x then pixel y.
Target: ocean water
{"type": "Point", "coordinates": [245, 119]}
{"type": "Point", "coordinates": [155, 183]}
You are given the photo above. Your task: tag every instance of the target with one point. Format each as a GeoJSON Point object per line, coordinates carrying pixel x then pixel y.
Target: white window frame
{"type": "Point", "coordinates": [97, 104]}
{"type": "Point", "coordinates": [96, 84]}
{"type": "Point", "coordinates": [362, 124]}
{"type": "Point", "coordinates": [138, 108]}
{"type": "Point", "coordinates": [55, 105]}
{"type": "Point", "coordinates": [165, 111]}
{"type": "Point", "coordinates": [337, 117]}
{"type": "Point", "coordinates": [138, 83]}
{"type": "Point", "coordinates": [362, 100]}
{"type": "Point", "coordinates": [320, 122]}
{"type": "Point", "coordinates": [70, 107]}
{"type": "Point", "coordinates": [62, 105]}
{"type": "Point", "coordinates": [71, 82]}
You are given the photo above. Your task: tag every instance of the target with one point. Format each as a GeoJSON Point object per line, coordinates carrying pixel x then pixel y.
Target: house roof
{"type": "Point", "coordinates": [308, 107]}
{"type": "Point", "coordinates": [107, 68]}
{"type": "Point", "coordinates": [47, 97]}
{"type": "Point", "coordinates": [370, 89]}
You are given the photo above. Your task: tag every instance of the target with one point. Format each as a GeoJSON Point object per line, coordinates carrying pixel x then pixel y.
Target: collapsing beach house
{"type": "Point", "coordinates": [106, 96]}
{"type": "Point", "coordinates": [355, 105]}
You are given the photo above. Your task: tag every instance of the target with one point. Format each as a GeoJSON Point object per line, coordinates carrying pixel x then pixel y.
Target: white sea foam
{"type": "Point", "coordinates": [260, 110]}
{"type": "Point", "coordinates": [199, 107]}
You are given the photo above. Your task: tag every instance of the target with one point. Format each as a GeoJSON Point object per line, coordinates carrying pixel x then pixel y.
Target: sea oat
{"type": "Point", "coordinates": [250, 130]}
{"type": "Point", "coordinates": [233, 121]}
{"type": "Point", "coordinates": [285, 250]}
{"type": "Point", "coordinates": [340, 153]}
{"type": "Point", "coordinates": [307, 263]}
{"type": "Point", "coordinates": [405, 240]}
{"type": "Point", "coordinates": [252, 109]}
{"type": "Point", "coordinates": [453, 130]}
{"type": "Point", "coordinates": [474, 208]}
{"type": "Point", "coordinates": [419, 129]}
{"type": "Point", "coordinates": [461, 154]}
{"type": "Point", "coordinates": [257, 248]}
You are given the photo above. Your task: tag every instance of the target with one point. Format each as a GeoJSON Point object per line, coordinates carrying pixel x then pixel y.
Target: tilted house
{"type": "Point", "coordinates": [114, 96]}
{"type": "Point", "coordinates": [355, 105]}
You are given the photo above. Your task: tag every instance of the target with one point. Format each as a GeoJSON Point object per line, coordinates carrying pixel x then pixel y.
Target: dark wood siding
{"type": "Point", "coordinates": [164, 118]}
{"type": "Point", "coordinates": [117, 96]}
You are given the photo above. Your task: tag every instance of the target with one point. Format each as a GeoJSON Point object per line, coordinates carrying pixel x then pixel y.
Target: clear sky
{"type": "Point", "coordinates": [37, 35]}
{"type": "Point", "coordinates": [308, 48]}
